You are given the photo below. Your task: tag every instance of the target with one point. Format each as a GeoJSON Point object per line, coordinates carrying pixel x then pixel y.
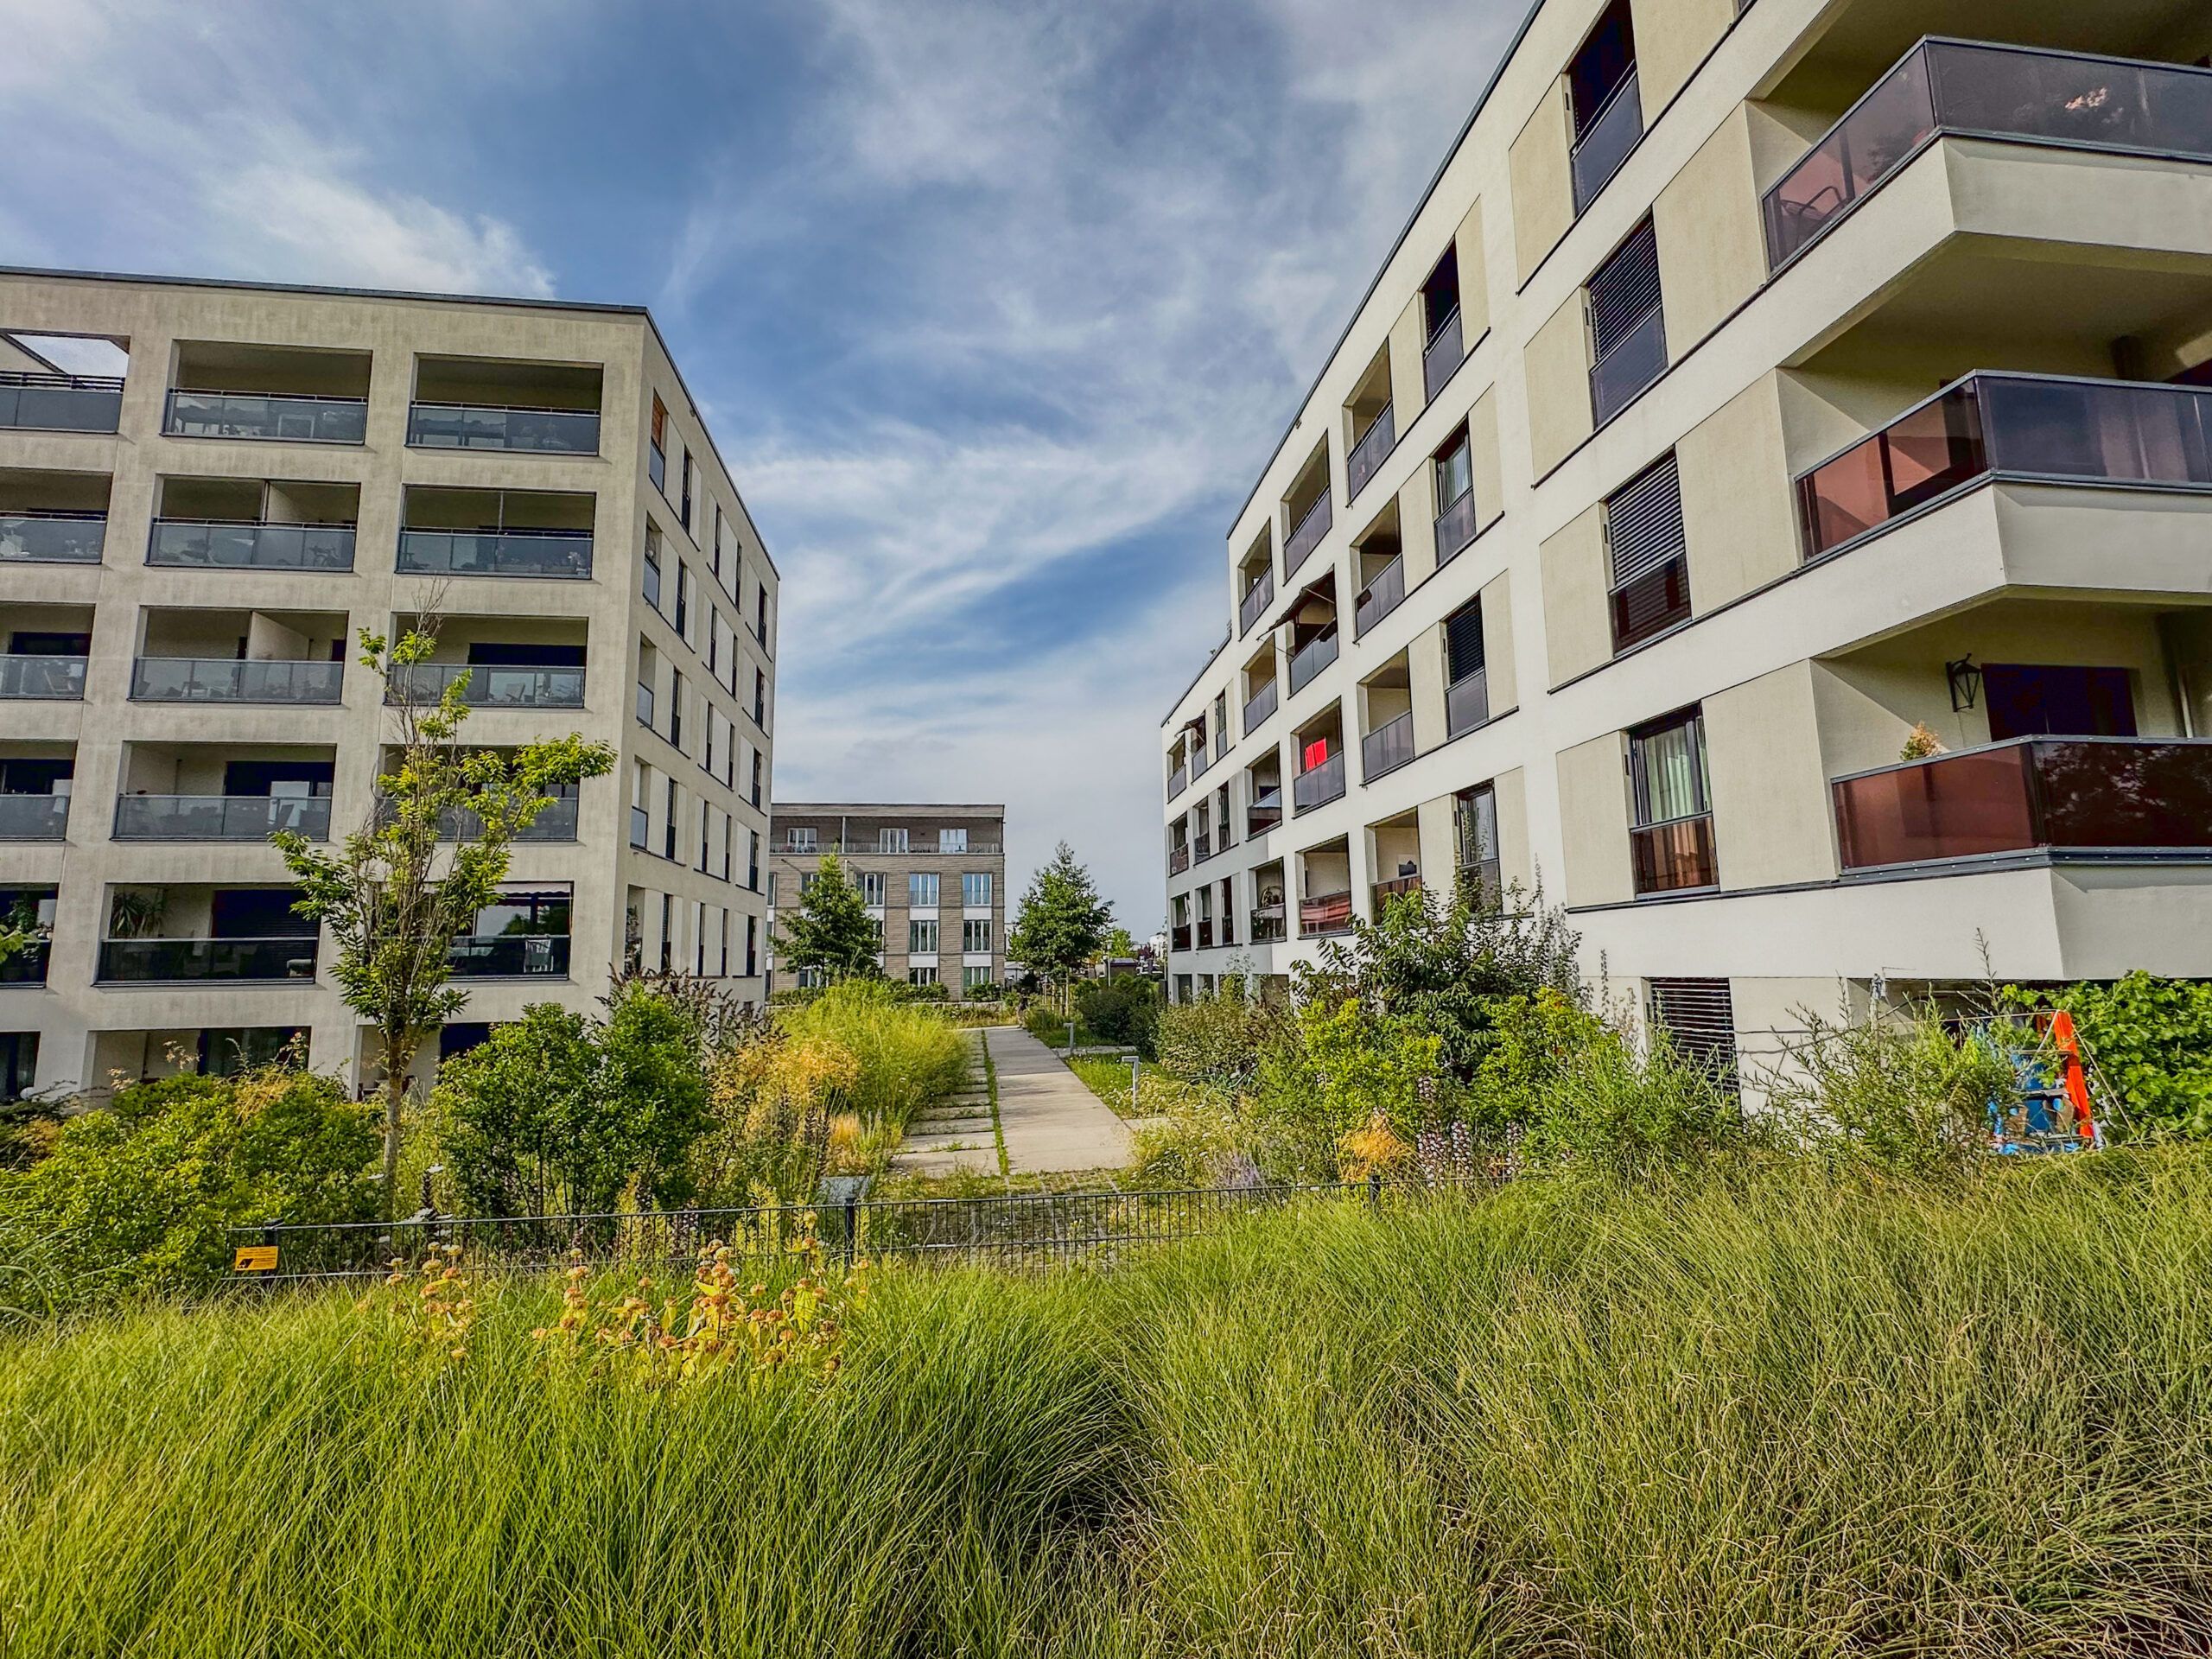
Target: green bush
{"type": "Point", "coordinates": [2151, 1039]}
{"type": "Point", "coordinates": [1123, 1011]}
{"type": "Point", "coordinates": [909, 1055]}
{"type": "Point", "coordinates": [143, 1192]}
{"type": "Point", "coordinates": [1215, 1040]}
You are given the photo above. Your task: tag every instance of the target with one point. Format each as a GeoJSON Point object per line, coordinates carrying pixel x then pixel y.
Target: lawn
{"type": "Point", "coordinates": [1765, 1412]}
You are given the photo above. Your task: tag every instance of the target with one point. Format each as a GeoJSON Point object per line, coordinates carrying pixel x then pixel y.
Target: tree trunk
{"type": "Point", "coordinates": [395, 1060]}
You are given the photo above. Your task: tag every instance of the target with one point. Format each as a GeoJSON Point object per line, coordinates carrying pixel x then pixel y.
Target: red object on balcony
{"type": "Point", "coordinates": [1330, 913]}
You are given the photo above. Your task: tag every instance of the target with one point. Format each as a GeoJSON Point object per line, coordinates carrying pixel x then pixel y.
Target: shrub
{"type": "Point", "coordinates": [1125, 1011]}
{"type": "Point", "coordinates": [1339, 1072]}
{"type": "Point", "coordinates": [908, 1055]}
{"type": "Point", "coordinates": [1215, 1040]}
{"type": "Point", "coordinates": [2151, 1039]}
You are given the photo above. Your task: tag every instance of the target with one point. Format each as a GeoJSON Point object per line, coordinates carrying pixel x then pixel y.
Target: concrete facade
{"type": "Point", "coordinates": [497, 458]}
{"type": "Point", "coordinates": [896, 852]}
{"type": "Point", "coordinates": [1680, 327]}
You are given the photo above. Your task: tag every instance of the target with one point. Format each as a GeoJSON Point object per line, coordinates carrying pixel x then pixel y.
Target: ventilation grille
{"type": "Point", "coordinates": [1698, 1016]}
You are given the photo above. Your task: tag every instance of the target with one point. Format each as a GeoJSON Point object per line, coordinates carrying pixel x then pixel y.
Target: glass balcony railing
{"type": "Point", "coordinates": [1677, 856]}
{"type": "Point", "coordinates": [1386, 748]}
{"type": "Point", "coordinates": [2056, 794]}
{"type": "Point", "coordinates": [1255, 602]}
{"type": "Point", "coordinates": [557, 553]}
{"type": "Point", "coordinates": [1380, 894]}
{"type": "Point", "coordinates": [557, 821]}
{"type": "Point", "coordinates": [1266, 924]}
{"type": "Point", "coordinates": [1329, 912]}
{"type": "Point", "coordinates": [34, 818]}
{"type": "Point", "coordinates": [1380, 597]}
{"type": "Point", "coordinates": [61, 402]}
{"type": "Point", "coordinates": [1307, 537]}
{"type": "Point", "coordinates": [52, 538]}
{"type": "Point", "coordinates": [1971, 90]}
{"type": "Point", "coordinates": [1441, 357]}
{"type": "Point", "coordinates": [510, 955]}
{"type": "Point", "coordinates": [1318, 784]}
{"type": "Point", "coordinates": [1466, 702]}
{"type": "Point", "coordinates": [1637, 359]}
{"type": "Point", "coordinates": [200, 679]}
{"type": "Point", "coordinates": [1179, 859]}
{"type": "Point", "coordinates": [221, 817]}
{"type": "Point", "coordinates": [1177, 780]}
{"type": "Point", "coordinates": [2020, 426]}
{"type": "Point", "coordinates": [229, 961]}
{"type": "Point", "coordinates": [493, 687]}
{"type": "Point", "coordinates": [1265, 813]}
{"type": "Point", "coordinates": [1455, 528]}
{"type": "Point", "coordinates": [1606, 141]}
{"type": "Point", "coordinates": [1258, 707]}
{"type": "Point", "coordinates": [61, 678]}
{"type": "Point", "coordinates": [1312, 658]}
{"type": "Point", "coordinates": [27, 965]}
{"type": "Point", "coordinates": [284, 416]}
{"type": "Point", "coordinates": [491, 426]}
{"type": "Point", "coordinates": [234, 544]}
{"type": "Point", "coordinates": [1368, 454]}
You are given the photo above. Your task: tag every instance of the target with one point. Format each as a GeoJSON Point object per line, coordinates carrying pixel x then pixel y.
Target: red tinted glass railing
{"type": "Point", "coordinates": [1331, 913]}
{"type": "Point", "coordinates": [1929, 452]}
{"type": "Point", "coordinates": [1674, 856]}
{"type": "Point", "coordinates": [2065, 793]}
{"type": "Point", "coordinates": [1382, 596]}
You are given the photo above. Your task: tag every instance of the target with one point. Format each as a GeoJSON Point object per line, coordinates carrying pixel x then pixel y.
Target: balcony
{"type": "Point", "coordinates": [61, 402]}
{"type": "Point", "coordinates": [1637, 359]}
{"type": "Point", "coordinates": [1329, 914]}
{"type": "Point", "coordinates": [1318, 785]}
{"type": "Point", "coordinates": [1382, 893]}
{"type": "Point", "coordinates": [231, 545]}
{"type": "Point", "coordinates": [1261, 705]}
{"type": "Point", "coordinates": [1968, 90]}
{"type": "Point", "coordinates": [31, 538]}
{"type": "Point", "coordinates": [1677, 856]}
{"type": "Point", "coordinates": [1441, 357]}
{"type": "Point", "coordinates": [492, 687]}
{"type": "Point", "coordinates": [2097, 796]}
{"type": "Point", "coordinates": [34, 818]}
{"type": "Point", "coordinates": [1179, 859]}
{"type": "Point", "coordinates": [1380, 597]}
{"type": "Point", "coordinates": [1202, 848]}
{"type": "Point", "coordinates": [1455, 528]}
{"type": "Point", "coordinates": [2037, 428]}
{"type": "Point", "coordinates": [199, 679]}
{"type": "Point", "coordinates": [1266, 924]}
{"type": "Point", "coordinates": [1255, 602]}
{"type": "Point", "coordinates": [1178, 780]}
{"type": "Point", "coordinates": [1265, 813]}
{"type": "Point", "coordinates": [501, 426]}
{"type": "Point", "coordinates": [287, 418]}
{"type": "Point", "coordinates": [1307, 537]}
{"type": "Point", "coordinates": [1312, 658]}
{"type": "Point", "coordinates": [557, 821]}
{"type": "Point", "coordinates": [562, 554]}
{"type": "Point", "coordinates": [143, 962]}
{"type": "Point", "coordinates": [1387, 747]}
{"type": "Point", "coordinates": [27, 966]}
{"type": "Point", "coordinates": [1368, 454]}
{"type": "Point", "coordinates": [641, 828]}
{"type": "Point", "coordinates": [1606, 142]}
{"type": "Point", "coordinates": [61, 678]}
{"type": "Point", "coordinates": [1466, 702]}
{"type": "Point", "coordinates": [510, 955]}
{"type": "Point", "coordinates": [221, 817]}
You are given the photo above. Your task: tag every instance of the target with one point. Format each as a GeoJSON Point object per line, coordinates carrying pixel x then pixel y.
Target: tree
{"type": "Point", "coordinates": [831, 930]}
{"type": "Point", "coordinates": [1062, 923]}
{"type": "Point", "coordinates": [1119, 944]}
{"type": "Point", "coordinates": [396, 892]}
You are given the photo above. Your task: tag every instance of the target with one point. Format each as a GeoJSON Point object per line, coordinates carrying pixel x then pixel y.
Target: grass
{"type": "Point", "coordinates": [1765, 1412]}
{"type": "Point", "coordinates": [1158, 1093]}
{"type": "Point", "coordinates": [910, 1056]}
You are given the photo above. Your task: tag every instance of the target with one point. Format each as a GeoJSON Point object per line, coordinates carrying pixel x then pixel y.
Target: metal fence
{"type": "Point", "coordinates": [1042, 1228]}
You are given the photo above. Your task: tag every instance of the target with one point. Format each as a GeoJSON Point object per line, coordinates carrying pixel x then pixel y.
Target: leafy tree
{"type": "Point", "coordinates": [1119, 944]}
{"type": "Point", "coordinates": [652, 1080]}
{"type": "Point", "coordinates": [831, 930]}
{"type": "Point", "coordinates": [526, 1135]}
{"type": "Point", "coordinates": [394, 894]}
{"type": "Point", "coordinates": [1062, 923]}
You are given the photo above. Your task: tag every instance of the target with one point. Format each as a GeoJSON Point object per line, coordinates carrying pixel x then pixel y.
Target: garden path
{"type": "Point", "coordinates": [1051, 1121]}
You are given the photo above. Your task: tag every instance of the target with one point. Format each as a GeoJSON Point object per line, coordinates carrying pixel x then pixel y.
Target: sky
{"type": "Point", "coordinates": [996, 309]}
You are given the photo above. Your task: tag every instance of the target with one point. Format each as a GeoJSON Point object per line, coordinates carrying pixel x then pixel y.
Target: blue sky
{"type": "Point", "coordinates": [995, 310]}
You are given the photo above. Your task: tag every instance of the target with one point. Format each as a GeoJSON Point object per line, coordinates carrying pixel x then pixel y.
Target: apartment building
{"type": "Point", "coordinates": [206, 490]}
{"type": "Point", "coordinates": [932, 873]}
{"type": "Point", "coordinates": [1756, 385]}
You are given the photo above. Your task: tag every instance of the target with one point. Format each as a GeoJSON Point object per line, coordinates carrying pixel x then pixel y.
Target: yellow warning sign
{"type": "Point", "coordinates": [254, 1258]}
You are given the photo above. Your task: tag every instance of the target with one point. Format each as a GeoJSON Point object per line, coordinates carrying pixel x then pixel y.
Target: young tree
{"type": "Point", "coordinates": [1119, 944]}
{"type": "Point", "coordinates": [1062, 923]}
{"type": "Point", "coordinates": [395, 893]}
{"type": "Point", "coordinates": [831, 929]}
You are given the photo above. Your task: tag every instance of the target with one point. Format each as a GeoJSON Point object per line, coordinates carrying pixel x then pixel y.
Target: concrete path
{"type": "Point", "coordinates": [1050, 1119]}
{"type": "Point", "coordinates": [955, 1134]}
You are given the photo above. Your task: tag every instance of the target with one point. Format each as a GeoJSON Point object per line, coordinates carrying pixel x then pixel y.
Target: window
{"type": "Point", "coordinates": [675, 808]}
{"type": "Point", "coordinates": [952, 841]}
{"type": "Point", "coordinates": [872, 886]}
{"type": "Point", "coordinates": [1670, 797]}
{"type": "Point", "coordinates": [640, 813]}
{"type": "Point", "coordinates": [798, 841]}
{"type": "Point", "coordinates": [1455, 473]}
{"type": "Point", "coordinates": [875, 934]}
{"type": "Point", "coordinates": [892, 841]}
{"type": "Point", "coordinates": [806, 880]}
{"type": "Point", "coordinates": [714, 639]}
{"type": "Point", "coordinates": [1455, 498]}
{"type": "Point", "coordinates": [683, 600]}
{"type": "Point", "coordinates": [676, 700]}
{"type": "Point", "coordinates": [921, 976]}
{"type": "Point", "coordinates": [668, 932]}
{"type": "Point", "coordinates": [1443, 348]}
{"type": "Point", "coordinates": [1645, 546]}
{"type": "Point", "coordinates": [2041, 700]}
{"type": "Point", "coordinates": [722, 929]}
{"type": "Point", "coordinates": [756, 777]}
{"type": "Point", "coordinates": [657, 451]}
{"type": "Point", "coordinates": [976, 890]}
{"type": "Point", "coordinates": [760, 616]}
{"type": "Point", "coordinates": [1467, 694]}
{"type": "Point", "coordinates": [729, 841]}
{"type": "Point", "coordinates": [812, 979]}
{"type": "Point", "coordinates": [973, 979]}
{"type": "Point", "coordinates": [699, 938]}
{"type": "Point", "coordinates": [1474, 835]}
{"type": "Point", "coordinates": [684, 505]}
{"type": "Point", "coordinates": [652, 577]}
{"type": "Point", "coordinates": [1604, 101]}
{"type": "Point", "coordinates": [1220, 723]}
{"type": "Point", "coordinates": [760, 699]}
{"type": "Point", "coordinates": [752, 860]}
{"type": "Point", "coordinates": [921, 938]}
{"type": "Point", "coordinates": [706, 836]}
{"type": "Point", "coordinates": [1628, 325]}
{"type": "Point", "coordinates": [921, 890]}
{"type": "Point", "coordinates": [752, 946]}
{"type": "Point", "coordinates": [975, 936]}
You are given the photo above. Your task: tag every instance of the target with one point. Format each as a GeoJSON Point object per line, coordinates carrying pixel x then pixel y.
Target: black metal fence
{"type": "Point", "coordinates": [1013, 1229]}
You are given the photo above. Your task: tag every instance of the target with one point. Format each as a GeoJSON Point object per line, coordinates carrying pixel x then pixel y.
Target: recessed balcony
{"type": "Point", "coordinates": [510, 955]}
{"type": "Point", "coordinates": [1259, 706]}
{"type": "Point", "coordinates": [1318, 652]}
{"type": "Point", "coordinates": [43, 650]}
{"type": "Point", "coordinates": [194, 679]}
{"type": "Point", "coordinates": [1443, 353]}
{"type": "Point", "coordinates": [1367, 455]}
{"type": "Point", "coordinates": [1604, 142]}
{"type": "Point", "coordinates": [221, 817]}
{"type": "Point", "coordinates": [1259, 590]}
{"type": "Point", "coordinates": [52, 518]}
{"type": "Point", "coordinates": [254, 525]}
{"type": "Point", "coordinates": [519, 407]}
{"type": "Point", "coordinates": [1383, 593]}
{"type": "Point", "coordinates": [225, 389]}
{"type": "Point", "coordinates": [1306, 509]}
{"type": "Point", "coordinates": [500, 686]}
{"type": "Point", "coordinates": [138, 962]}
{"type": "Point", "coordinates": [496, 533]}
{"type": "Point", "coordinates": [34, 818]}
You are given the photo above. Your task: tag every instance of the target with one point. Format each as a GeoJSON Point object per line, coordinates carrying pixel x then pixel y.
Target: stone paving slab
{"type": "Point", "coordinates": [1050, 1119]}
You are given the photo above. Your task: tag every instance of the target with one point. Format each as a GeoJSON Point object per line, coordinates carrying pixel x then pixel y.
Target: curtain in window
{"type": "Point", "coordinates": [1668, 768]}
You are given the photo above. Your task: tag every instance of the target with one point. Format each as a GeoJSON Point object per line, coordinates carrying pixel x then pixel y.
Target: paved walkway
{"type": "Point", "coordinates": [955, 1134]}
{"type": "Point", "coordinates": [1050, 1121]}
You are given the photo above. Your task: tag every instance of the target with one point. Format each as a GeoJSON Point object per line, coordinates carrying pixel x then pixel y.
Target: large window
{"type": "Point", "coordinates": [976, 936]}
{"type": "Point", "coordinates": [1466, 692]}
{"type": "Point", "coordinates": [923, 977]}
{"type": "Point", "coordinates": [872, 888]}
{"type": "Point", "coordinates": [921, 938]}
{"type": "Point", "coordinates": [976, 890]}
{"type": "Point", "coordinates": [1645, 546]}
{"type": "Point", "coordinates": [1671, 840]}
{"type": "Point", "coordinates": [973, 979]}
{"type": "Point", "coordinates": [952, 841]}
{"type": "Point", "coordinates": [1628, 325]}
{"type": "Point", "coordinates": [1474, 833]}
{"type": "Point", "coordinates": [921, 890]}
{"type": "Point", "coordinates": [892, 841]}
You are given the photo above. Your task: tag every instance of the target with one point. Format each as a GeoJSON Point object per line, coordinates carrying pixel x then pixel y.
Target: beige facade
{"type": "Point", "coordinates": [932, 873]}
{"type": "Point", "coordinates": [1830, 382]}
{"type": "Point", "coordinates": [186, 557]}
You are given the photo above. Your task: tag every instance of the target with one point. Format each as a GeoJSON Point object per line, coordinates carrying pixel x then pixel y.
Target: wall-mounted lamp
{"type": "Point", "coordinates": [1966, 683]}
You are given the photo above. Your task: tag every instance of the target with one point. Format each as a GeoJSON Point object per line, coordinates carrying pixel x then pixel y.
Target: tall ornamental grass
{"type": "Point", "coordinates": [1753, 1410]}
{"type": "Point", "coordinates": [909, 1055]}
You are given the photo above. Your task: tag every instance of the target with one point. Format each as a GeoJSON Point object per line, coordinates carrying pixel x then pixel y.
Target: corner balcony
{"type": "Point", "coordinates": [34, 818]}
{"type": "Point", "coordinates": [192, 679]}
{"type": "Point", "coordinates": [2088, 799]}
{"type": "Point", "coordinates": [230, 962]}
{"type": "Point", "coordinates": [31, 401]}
{"type": "Point", "coordinates": [221, 817]}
